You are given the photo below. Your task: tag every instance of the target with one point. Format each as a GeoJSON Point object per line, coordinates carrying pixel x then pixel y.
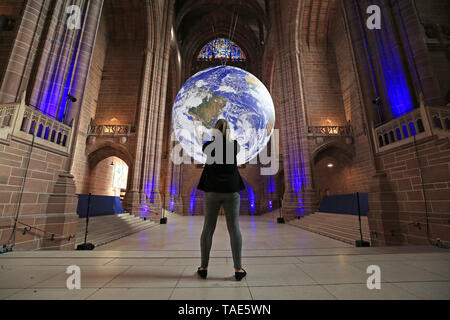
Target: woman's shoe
{"type": "Point", "coordinates": [240, 275]}
{"type": "Point", "coordinates": [202, 273]}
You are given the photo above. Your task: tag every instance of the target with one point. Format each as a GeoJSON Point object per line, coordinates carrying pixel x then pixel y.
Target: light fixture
{"type": "Point", "coordinates": [377, 100]}
{"type": "Point", "coordinates": [330, 165]}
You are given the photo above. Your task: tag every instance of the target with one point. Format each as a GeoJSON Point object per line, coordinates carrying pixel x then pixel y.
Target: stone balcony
{"type": "Point", "coordinates": [116, 133]}
{"type": "Point", "coordinates": [418, 124]}
{"type": "Point", "coordinates": [327, 131]}
{"type": "Point", "coordinates": [322, 136]}
{"type": "Point", "coordinates": [24, 122]}
{"type": "Point", "coordinates": [111, 129]}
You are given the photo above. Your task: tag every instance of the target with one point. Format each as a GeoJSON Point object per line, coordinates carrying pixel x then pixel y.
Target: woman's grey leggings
{"type": "Point", "coordinates": [231, 203]}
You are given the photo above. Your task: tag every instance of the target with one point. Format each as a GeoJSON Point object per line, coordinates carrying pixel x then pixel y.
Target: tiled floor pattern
{"type": "Point", "coordinates": [282, 261]}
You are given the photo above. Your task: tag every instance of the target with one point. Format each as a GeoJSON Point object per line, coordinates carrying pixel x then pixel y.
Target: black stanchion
{"type": "Point", "coordinates": [163, 220]}
{"type": "Point", "coordinates": [360, 243]}
{"type": "Point", "coordinates": [86, 245]}
{"type": "Point", "coordinates": [280, 219]}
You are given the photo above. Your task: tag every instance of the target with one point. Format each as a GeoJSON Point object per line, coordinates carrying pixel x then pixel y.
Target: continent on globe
{"type": "Point", "coordinates": [228, 93]}
{"type": "Point", "coordinates": [208, 111]}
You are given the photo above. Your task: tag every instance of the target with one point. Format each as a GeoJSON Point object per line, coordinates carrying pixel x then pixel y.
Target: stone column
{"type": "Point", "coordinates": [413, 36]}
{"type": "Point", "coordinates": [299, 196]}
{"type": "Point", "coordinates": [65, 59]}
{"type": "Point", "coordinates": [24, 49]}
{"type": "Point", "coordinates": [144, 198]}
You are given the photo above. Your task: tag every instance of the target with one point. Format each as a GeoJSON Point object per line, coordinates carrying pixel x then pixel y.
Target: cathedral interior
{"type": "Point", "coordinates": [361, 93]}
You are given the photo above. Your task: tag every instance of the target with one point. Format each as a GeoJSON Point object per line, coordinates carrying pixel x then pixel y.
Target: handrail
{"type": "Point", "coordinates": [43, 112]}
{"type": "Point", "coordinates": [52, 238]}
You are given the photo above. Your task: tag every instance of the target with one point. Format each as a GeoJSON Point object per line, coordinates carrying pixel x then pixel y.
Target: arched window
{"type": "Point", "coordinates": [221, 49]}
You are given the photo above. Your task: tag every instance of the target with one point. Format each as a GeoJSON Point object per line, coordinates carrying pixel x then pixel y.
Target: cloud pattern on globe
{"type": "Point", "coordinates": [229, 93]}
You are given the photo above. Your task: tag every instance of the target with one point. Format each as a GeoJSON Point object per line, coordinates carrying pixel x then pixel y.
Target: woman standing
{"type": "Point", "coordinates": [221, 182]}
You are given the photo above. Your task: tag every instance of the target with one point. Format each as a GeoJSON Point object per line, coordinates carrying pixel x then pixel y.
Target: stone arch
{"type": "Point", "coordinates": [332, 166]}
{"type": "Point", "coordinates": [342, 148]}
{"type": "Point", "coordinates": [105, 151]}
{"type": "Point", "coordinates": [243, 38]}
{"type": "Point", "coordinates": [214, 24]}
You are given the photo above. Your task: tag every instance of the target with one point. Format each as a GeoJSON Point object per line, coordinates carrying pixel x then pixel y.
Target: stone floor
{"type": "Point", "coordinates": [282, 261]}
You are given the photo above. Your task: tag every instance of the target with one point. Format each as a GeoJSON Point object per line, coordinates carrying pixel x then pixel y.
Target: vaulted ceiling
{"type": "Point", "coordinates": [316, 20]}
{"type": "Point", "coordinates": [224, 17]}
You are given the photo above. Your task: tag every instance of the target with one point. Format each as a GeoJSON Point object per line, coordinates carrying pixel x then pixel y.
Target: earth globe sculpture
{"type": "Point", "coordinates": [229, 93]}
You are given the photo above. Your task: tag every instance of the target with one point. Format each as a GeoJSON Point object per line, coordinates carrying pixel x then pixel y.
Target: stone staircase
{"type": "Point", "coordinates": [104, 229]}
{"type": "Point", "coordinates": [342, 227]}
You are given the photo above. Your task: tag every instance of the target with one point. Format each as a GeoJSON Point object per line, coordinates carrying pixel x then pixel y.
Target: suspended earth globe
{"type": "Point", "coordinates": [228, 93]}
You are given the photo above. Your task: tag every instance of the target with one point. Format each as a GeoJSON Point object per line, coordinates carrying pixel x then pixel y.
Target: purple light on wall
{"type": "Point", "coordinates": [144, 209]}
{"type": "Point", "coordinates": [250, 195]}
{"type": "Point", "coordinates": [52, 98]}
{"type": "Point", "coordinates": [149, 191]}
{"type": "Point", "coordinates": [395, 85]}
{"type": "Point", "coordinates": [300, 206]}
{"type": "Point", "coordinates": [270, 184]}
{"type": "Point", "coordinates": [192, 199]}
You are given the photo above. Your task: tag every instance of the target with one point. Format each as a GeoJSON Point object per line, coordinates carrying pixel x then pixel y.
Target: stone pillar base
{"type": "Point", "coordinates": [303, 204]}
{"type": "Point", "coordinates": [132, 202]}
{"type": "Point", "coordinates": [383, 216]}
{"type": "Point", "coordinates": [138, 204]}
{"type": "Point", "coordinates": [62, 218]}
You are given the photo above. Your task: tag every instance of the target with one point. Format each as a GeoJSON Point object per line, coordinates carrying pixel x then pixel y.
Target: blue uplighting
{"type": "Point", "coordinates": [193, 198]}
{"type": "Point", "coordinates": [270, 184]}
{"type": "Point", "coordinates": [250, 194]}
{"type": "Point", "coordinates": [395, 84]}
{"type": "Point", "coordinates": [52, 97]}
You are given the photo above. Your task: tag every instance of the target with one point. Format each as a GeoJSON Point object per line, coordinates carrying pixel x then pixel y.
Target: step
{"type": "Point", "coordinates": [337, 226]}
{"type": "Point", "coordinates": [114, 233]}
{"type": "Point", "coordinates": [332, 235]}
{"type": "Point", "coordinates": [102, 240]}
{"type": "Point", "coordinates": [365, 229]}
{"type": "Point", "coordinates": [334, 221]}
{"type": "Point", "coordinates": [108, 222]}
{"type": "Point", "coordinates": [354, 234]}
{"type": "Point", "coordinates": [114, 229]}
{"type": "Point", "coordinates": [110, 225]}
{"type": "Point", "coordinates": [105, 229]}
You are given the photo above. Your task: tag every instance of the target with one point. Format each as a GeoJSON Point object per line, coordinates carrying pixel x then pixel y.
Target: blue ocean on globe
{"type": "Point", "coordinates": [229, 93]}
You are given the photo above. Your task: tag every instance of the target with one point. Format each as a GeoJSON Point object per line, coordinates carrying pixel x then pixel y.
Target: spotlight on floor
{"type": "Point", "coordinates": [362, 243]}
{"type": "Point", "coordinates": [163, 220]}
{"type": "Point", "coordinates": [86, 246]}
{"type": "Point", "coordinates": [280, 220]}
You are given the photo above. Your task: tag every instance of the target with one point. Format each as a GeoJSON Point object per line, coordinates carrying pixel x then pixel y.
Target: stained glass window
{"type": "Point", "coordinates": [120, 175]}
{"type": "Point", "coordinates": [221, 49]}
